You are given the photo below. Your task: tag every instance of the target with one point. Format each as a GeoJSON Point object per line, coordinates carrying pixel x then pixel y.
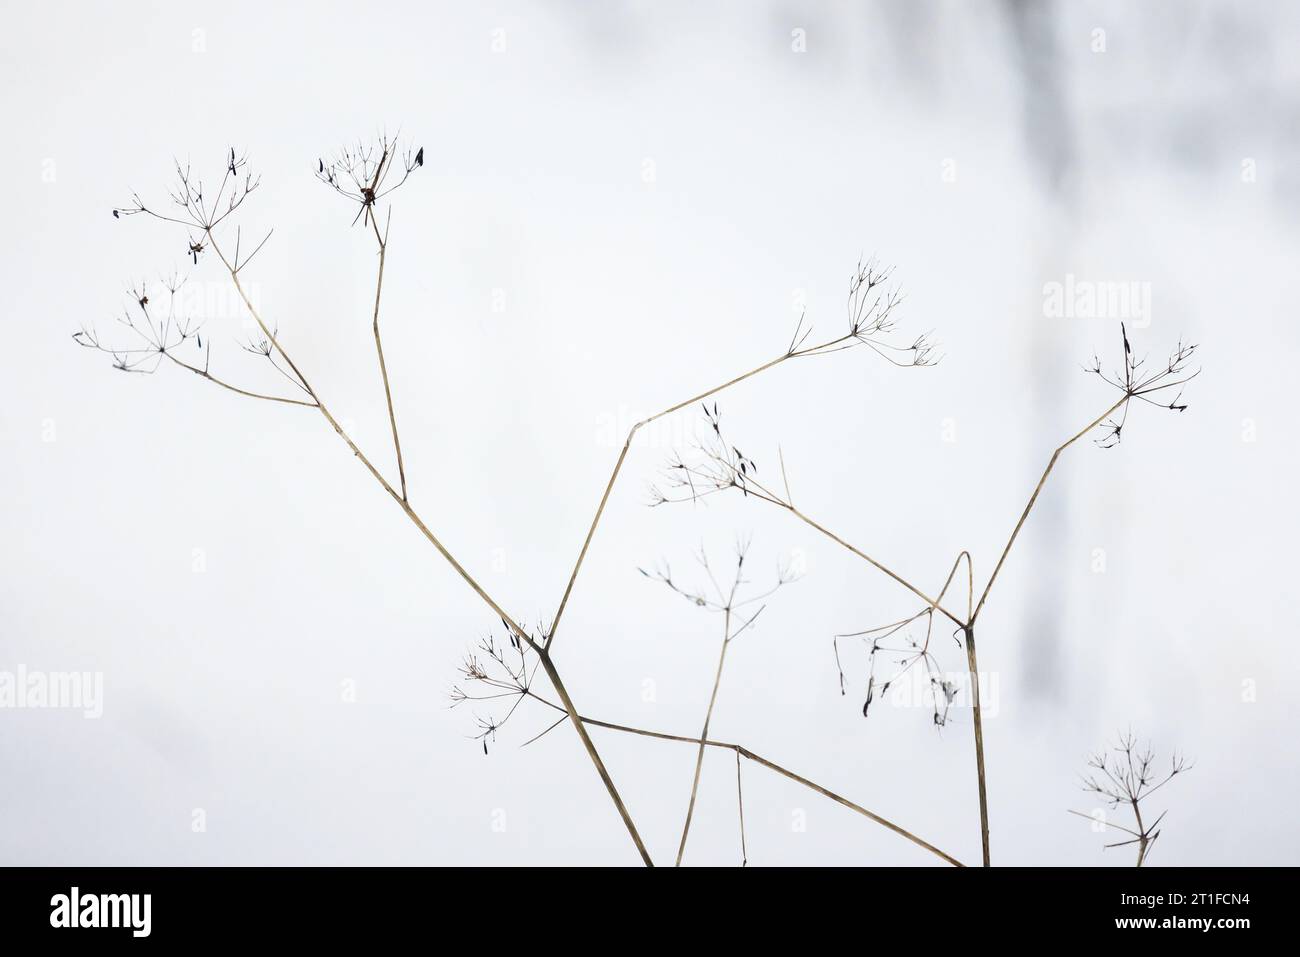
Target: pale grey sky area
{"type": "Point", "coordinates": [623, 204]}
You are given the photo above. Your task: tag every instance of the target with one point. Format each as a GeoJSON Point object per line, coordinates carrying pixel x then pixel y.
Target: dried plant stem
{"type": "Point", "coordinates": [1143, 840]}
{"type": "Point", "coordinates": [979, 740]}
{"type": "Point", "coordinates": [970, 628]}
{"type": "Point", "coordinates": [976, 713]}
{"type": "Point", "coordinates": [755, 489]}
{"type": "Point", "coordinates": [1034, 497]}
{"type": "Point", "coordinates": [970, 580]}
{"type": "Point", "coordinates": [226, 385]}
{"type": "Point", "coordinates": [360, 176]}
{"type": "Point", "coordinates": [379, 348]}
{"type": "Point", "coordinates": [968, 624]}
{"type": "Point", "coordinates": [627, 443]}
{"type": "Point", "coordinates": [934, 603]}
{"type": "Point", "coordinates": [704, 734]}
{"type": "Point", "coordinates": [549, 667]}
{"type": "Point", "coordinates": [398, 497]}
{"type": "Point", "coordinates": [784, 772]}
{"type": "Point", "coordinates": [1129, 780]}
{"type": "Point", "coordinates": [740, 804]}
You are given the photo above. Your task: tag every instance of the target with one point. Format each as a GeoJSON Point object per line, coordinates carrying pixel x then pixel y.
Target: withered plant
{"type": "Point", "coordinates": [736, 620]}
{"type": "Point", "coordinates": [716, 465]}
{"type": "Point", "coordinates": [506, 671]}
{"type": "Point", "coordinates": [1125, 775]}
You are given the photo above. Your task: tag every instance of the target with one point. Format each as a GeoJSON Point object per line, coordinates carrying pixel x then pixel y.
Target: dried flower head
{"type": "Point", "coordinates": [893, 651]}
{"type": "Point", "coordinates": [364, 173]}
{"type": "Point", "coordinates": [1137, 380]}
{"type": "Point", "coordinates": [197, 209]}
{"type": "Point", "coordinates": [498, 671]}
{"type": "Point", "coordinates": [716, 465]}
{"type": "Point", "coordinates": [1126, 775]}
{"type": "Point", "coordinates": [711, 595]}
{"type": "Point", "coordinates": [870, 307]}
{"type": "Point", "coordinates": [159, 328]}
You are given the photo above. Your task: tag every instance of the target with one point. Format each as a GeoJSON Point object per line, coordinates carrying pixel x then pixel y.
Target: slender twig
{"type": "Point", "coordinates": [1051, 463]}
{"type": "Point", "coordinates": [728, 603]}
{"type": "Point", "coordinates": [704, 734]}
{"type": "Point", "coordinates": [740, 804]}
{"type": "Point", "coordinates": [379, 348]}
{"type": "Point", "coordinates": [1144, 841]}
{"type": "Point", "coordinates": [622, 455]}
{"type": "Point", "coordinates": [979, 740]}
{"type": "Point", "coordinates": [764, 762]}
{"type": "Point", "coordinates": [551, 673]}
{"type": "Point", "coordinates": [369, 180]}
{"type": "Point", "coordinates": [226, 385]}
{"type": "Point", "coordinates": [1118, 827]}
{"type": "Point", "coordinates": [784, 772]}
{"type": "Point", "coordinates": [932, 602]}
{"type": "Point", "coordinates": [726, 468]}
{"type": "Point", "coordinates": [517, 684]}
{"type": "Point", "coordinates": [869, 317]}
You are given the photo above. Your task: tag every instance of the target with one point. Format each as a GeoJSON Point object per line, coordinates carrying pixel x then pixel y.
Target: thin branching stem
{"type": "Point", "coordinates": [977, 717]}
{"type": "Point", "coordinates": [792, 353]}
{"type": "Point", "coordinates": [1051, 463]}
{"type": "Point", "coordinates": [784, 772]}
{"type": "Point", "coordinates": [740, 806]}
{"type": "Point", "coordinates": [234, 388]}
{"type": "Point", "coordinates": [361, 175]}
{"type": "Point", "coordinates": [379, 349]}
{"type": "Point", "coordinates": [704, 734]}
{"type": "Point", "coordinates": [551, 673]}
{"type": "Point", "coordinates": [865, 323]}
{"type": "Point", "coordinates": [1144, 841]}
{"type": "Point", "coordinates": [729, 603]}
{"type": "Point", "coordinates": [932, 602]}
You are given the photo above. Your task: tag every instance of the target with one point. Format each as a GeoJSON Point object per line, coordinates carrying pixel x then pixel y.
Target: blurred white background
{"type": "Point", "coordinates": [621, 205]}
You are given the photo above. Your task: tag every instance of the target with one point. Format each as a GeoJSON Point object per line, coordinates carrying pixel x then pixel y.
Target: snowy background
{"type": "Point", "coordinates": [622, 205]}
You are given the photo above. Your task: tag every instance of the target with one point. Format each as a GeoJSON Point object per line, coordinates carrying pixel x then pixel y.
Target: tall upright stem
{"type": "Point", "coordinates": [383, 366]}
{"type": "Point", "coordinates": [1143, 841]}
{"type": "Point", "coordinates": [969, 627]}
{"type": "Point", "coordinates": [979, 739]}
{"type": "Point", "coordinates": [704, 735]}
